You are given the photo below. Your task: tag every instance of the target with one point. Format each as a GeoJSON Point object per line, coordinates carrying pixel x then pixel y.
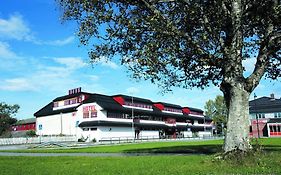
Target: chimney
{"type": "Point", "coordinates": [272, 96]}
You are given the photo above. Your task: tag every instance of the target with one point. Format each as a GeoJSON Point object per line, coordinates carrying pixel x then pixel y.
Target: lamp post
{"type": "Point", "coordinates": [258, 130]}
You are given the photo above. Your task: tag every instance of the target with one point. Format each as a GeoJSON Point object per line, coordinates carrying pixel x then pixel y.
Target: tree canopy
{"type": "Point", "coordinates": [6, 116]}
{"type": "Point", "coordinates": [188, 43]}
{"type": "Point", "coordinates": [182, 43]}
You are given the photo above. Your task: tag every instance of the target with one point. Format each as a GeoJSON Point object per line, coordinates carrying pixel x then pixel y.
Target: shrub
{"type": "Point", "coordinates": [30, 133]}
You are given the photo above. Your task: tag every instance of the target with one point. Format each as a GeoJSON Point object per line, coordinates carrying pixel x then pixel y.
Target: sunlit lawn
{"type": "Point", "coordinates": [265, 163]}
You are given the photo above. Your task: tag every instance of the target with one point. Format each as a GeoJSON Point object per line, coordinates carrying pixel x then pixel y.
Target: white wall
{"type": "Point", "coordinates": [187, 133]}
{"type": "Point", "coordinates": [106, 132]}
{"type": "Point", "coordinates": [149, 134]}
{"type": "Point", "coordinates": [57, 124]}
{"type": "Point", "coordinates": [204, 133]}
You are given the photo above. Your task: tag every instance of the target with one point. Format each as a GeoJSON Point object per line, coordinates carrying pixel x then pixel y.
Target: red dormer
{"type": "Point", "coordinates": [186, 110]}
{"type": "Point", "coordinates": [159, 106]}
{"type": "Point", "coordinates": [119, 100]}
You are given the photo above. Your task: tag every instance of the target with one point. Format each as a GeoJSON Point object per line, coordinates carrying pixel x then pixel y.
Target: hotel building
{"type": "Point", "coordinates": [101, 117]}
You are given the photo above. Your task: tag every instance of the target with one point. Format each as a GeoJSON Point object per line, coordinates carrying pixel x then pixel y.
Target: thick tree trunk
{"type": "Point", "coordinates": [237, 135]}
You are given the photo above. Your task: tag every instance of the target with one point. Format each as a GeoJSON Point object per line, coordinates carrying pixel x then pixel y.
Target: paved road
{"type": "Point", "coordinates": [87, 154]}
{"type": "Point", "coordinates": [13, 147]}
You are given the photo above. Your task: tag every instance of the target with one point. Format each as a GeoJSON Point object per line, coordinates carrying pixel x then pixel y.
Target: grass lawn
{"type": "Point", "coordinates": [268, 162]}
{"type": "Point", "coordinates": [145, 165]}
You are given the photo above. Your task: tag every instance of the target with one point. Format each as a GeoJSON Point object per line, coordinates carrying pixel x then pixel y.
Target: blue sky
{"type": "Point", "coordinates": [41, 59]}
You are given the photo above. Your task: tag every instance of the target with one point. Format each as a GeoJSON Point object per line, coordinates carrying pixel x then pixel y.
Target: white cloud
{"type": "Point", "coordinates": [40, 76]}
{"type": "Point", "coordinates": [15, 28]}
{"type": "Point", "coordinates": [6, 52]}
{"type": "Point", "coordinates": [61, 42]}
{"type": "Point", "coordinates": [107, 63]}
{"type": "Point", "coordinates": [132, 90]}
{"type": "Point", "coordinates": [94, 77]}
{"type": "Point", "coordinates": [17, 84]}
{"type": "Point", "coordinates": [9, 60]}
{"type": "Point", "coordinates": [72, 63]}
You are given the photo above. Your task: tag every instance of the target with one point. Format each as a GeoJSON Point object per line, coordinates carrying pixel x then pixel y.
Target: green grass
{"type": "Point", "coordinates": [267, 162]}
{"type": "Point", "coordinates": [145, 165]}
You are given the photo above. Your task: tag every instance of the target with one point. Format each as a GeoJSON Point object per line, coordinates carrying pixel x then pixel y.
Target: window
{"type": "Point", "coordinates": [56, 104]}
{"type": "Point", "coordinates": [93, 129]}
{"type": "Point", "coordinates": [85, 129]}
{"type": "Point", "coordinates": [73, 101]}
{"type": "Point", "coordinates": [85, 114]}
{"type": "Point", "coordinates": [66, 102]}
{"type": "Point", "coordinates": [94, 114]}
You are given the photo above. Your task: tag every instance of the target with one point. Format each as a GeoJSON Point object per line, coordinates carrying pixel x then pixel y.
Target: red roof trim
{"type": "Point", "coordinates": [119, 100]}
{"type": "Point", "coordinates": [186, 110]}
{"type": "Point", "coordinates": [159, 106]}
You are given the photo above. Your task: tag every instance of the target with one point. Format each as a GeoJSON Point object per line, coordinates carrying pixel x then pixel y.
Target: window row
{"type": "Point", "coordinates": [70, 101]}
{"type": "Point", "coordinates": [90, 114]}
{"type": "Point", "coordinates": [196, 113]}
{"type": "Point", "coordinates": [172, 110]}
{"type": "Point", "coordinates": [277, 115]}
{"type": "Point", "coordinates": [139, 105]}
{"type": "Point", "coordinates": [142, 117]}
{"type": "Point", "coordinates": [275, 128]}
{"type": "Point", "coordinates": [89, 129]}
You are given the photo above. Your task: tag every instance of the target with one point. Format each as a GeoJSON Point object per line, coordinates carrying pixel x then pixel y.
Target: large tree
{"type": "Point", "coordinates": [187, 43]}
{"type": "Point", "coordinates": [6, 116]}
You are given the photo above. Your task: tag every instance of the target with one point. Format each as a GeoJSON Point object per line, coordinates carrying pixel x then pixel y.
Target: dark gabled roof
{"type": "Point", "coordinates": [26, 121]}
{"type": "Point", "coordinates": [48, 110]}
{"type": "Point", "coordinates": [195, 109]}
{"type": "Point", "coordinates": [265, 105]}
{"type": "Point", "coordinates": [106, 102]}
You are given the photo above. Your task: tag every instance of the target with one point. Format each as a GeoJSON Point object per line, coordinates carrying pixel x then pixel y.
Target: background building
{"type": "Point", "coordinates": [265, 117]}
{"type": "Point", "coordinates": [20, 128]}
{"type": "Point", "coordinates": [100, 117]}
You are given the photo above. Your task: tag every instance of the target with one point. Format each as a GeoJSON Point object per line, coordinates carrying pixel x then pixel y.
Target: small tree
{"type": "Point", "coordinates": [30, 133]}
{"type": "Point", "coordinates": [6, 119]}
{"type": "Point", "coordinates": [188, 43]}
{"type": "Point", "coordinates": [216, 109]}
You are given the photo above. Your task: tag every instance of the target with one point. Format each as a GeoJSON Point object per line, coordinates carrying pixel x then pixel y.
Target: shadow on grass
{"type": "Point", "coordinates": [192, 149]}
{"type": "Point", "coordinates": [272, 148]}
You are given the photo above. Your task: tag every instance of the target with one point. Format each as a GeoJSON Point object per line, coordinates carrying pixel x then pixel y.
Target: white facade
{"type": "Point", "coordinates": [64, 124]}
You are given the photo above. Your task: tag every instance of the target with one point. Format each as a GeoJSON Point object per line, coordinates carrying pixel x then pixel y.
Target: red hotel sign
{"type": "Point", "coordinates": [89, 108]}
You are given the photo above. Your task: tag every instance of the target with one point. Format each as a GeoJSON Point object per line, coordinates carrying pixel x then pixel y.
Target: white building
{"type": "Point", "coordinates": [102, 117]}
